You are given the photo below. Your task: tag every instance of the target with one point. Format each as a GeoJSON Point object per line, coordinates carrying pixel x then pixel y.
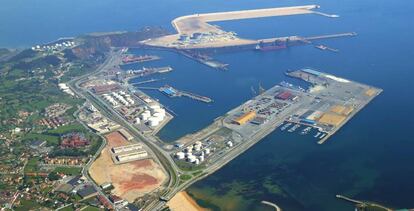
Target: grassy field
{"type": "Point", "coordinates": [68, 170]}
{"type": "Point", "coordinates": [32, 165]}
{"type": "Point", "coordinates": [27, 205]}
{"type": "Point", "coordinates": [90, 208]}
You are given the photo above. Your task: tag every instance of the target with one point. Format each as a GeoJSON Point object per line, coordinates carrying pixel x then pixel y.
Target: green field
{"type": "Point", "coordinates": [32, 165]}
{"type": "Point", "coordinates": [68, 170]}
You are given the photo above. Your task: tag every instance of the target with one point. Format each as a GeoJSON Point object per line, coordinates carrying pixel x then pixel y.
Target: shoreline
{"type": "Point", "coordinates": [183, 201]}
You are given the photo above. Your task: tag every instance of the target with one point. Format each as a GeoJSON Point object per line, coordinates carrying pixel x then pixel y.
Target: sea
{"type": "Point", "coordinates": [371, 158]}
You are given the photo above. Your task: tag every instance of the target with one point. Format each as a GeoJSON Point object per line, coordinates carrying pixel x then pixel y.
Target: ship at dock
{"type": "Point", "coordinates": [276, 45]}
{"type": "Point", "coordinates": [129, 59]}
{"type": "Point", "coordinates": [145, 71]}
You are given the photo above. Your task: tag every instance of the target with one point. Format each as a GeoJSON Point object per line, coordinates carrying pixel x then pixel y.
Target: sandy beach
{"type": "Point", "coordinates": [183, 202]}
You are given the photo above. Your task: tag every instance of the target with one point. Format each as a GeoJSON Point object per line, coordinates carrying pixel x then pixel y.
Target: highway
{"type": "Point", "coordinates": [106, 110]}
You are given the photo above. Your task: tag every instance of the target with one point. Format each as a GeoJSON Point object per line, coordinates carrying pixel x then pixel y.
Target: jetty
{"type": "Point", "coordinates": [173, 92]}
{"type": "Point", "coordinates": [277, 208]}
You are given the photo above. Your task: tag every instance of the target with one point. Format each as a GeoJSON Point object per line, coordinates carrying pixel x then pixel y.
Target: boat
{"type": "Point", "coordinates": [305, 131]}
{"type": "Point", "coordinates": [292, 129]}
{"type": "Point", "coordinates": [284, 127]}
{"type": "Point", "coordinates": [316, 136]}
{"type": "Point", "coordinates": [323, 135]}
{"type": "Point", "coordinates": [321, 47]}
{"type": "Point", "coordinates": [137, 59]}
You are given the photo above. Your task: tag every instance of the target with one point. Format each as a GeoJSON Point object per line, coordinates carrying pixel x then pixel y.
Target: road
{"type": "Point", "coordinates": [159, 155]}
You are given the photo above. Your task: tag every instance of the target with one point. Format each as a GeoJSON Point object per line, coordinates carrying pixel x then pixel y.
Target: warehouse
{"type": "Point", "coordinates": [132, 156]}
{"type": "Point", "coordinates": [126, 135]}
{"type": "Point", "coordinates": [127, 148]}
{"type": "Point", "coordinates": [284, 95]}
{"type": "Point", "coordinates": [243, 119]}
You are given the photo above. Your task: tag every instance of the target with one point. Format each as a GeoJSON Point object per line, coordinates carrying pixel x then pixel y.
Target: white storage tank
{"type": "Point", "coordinates": [137, 120]}
{"type": "Point", "coordinates": [180, 155]}
{"type": "Point", "coordinates": [197, 148]}
{"type": "Point", "coordinates": [207, 151]}
{"type": "Point", "coordinates": [154, 106]}
{"type": "Point", "coordinates": [160, 116]}
{"type": "Point", "coordinates": [153, 122]}
{"type": "Point", "coordinates": [145, 116]}
{"type": "Point", "coordinates": [197, 161]}
{"type": "Point", "coordinates": [191, 159]}
{"type": "Point", "coordinates": [229, 144]}
{"type": "Point", "coordinates": [201, 158]}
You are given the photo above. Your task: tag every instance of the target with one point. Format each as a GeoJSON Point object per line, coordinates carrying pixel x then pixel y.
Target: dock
{"type": "Point", "coordinates": [204, 59]}
{"type": "Point", "coordinates": [349, 199]}
{"type": "Point", "coordinates": [146, 81]}
{"type": "Point", "coordinates": [172, 92]}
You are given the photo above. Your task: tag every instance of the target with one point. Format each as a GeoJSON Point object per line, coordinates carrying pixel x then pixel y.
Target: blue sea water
{"type": "Point", "coordinates": [370, 158]}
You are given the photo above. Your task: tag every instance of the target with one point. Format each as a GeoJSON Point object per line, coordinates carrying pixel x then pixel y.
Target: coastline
{"type": "Point", "coordinates": [183, 201]}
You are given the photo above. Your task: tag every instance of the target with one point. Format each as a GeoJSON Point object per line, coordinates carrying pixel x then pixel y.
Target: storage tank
{"type": "Point", "coordinates": [180, 155]}
{"type": "Point", "coordinates": [191, 159]}
{"type": "Point", "coordinates": [207, 151]}
{"type": "Point", "coordinates": [201, 158]}
{"type": "Point", "coordinates": [197, 161]}
{"type": "Point", "coordinates": [145, 116]}
{"type": "Point", "coordinates": [197, 148]}
{"type": "Point", "coordinates": [159, 110]}
{"type": "Point", "coordinates": [137, 120]}
{"type": "Point", "coordinates": [154, 106]}
{"type": "Point", "coordinates": [160, 116]}
{"type": "Point", "coordinates": [153, 121]}
{"type": "Point", "coordinates": [229, 143]}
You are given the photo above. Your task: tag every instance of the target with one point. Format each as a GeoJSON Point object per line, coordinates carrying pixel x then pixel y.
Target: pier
{"type": "Point", "coordinates": [147, 81]}
{"type": "Point", "coordinates": [172, 92]}
{"type": "Point", "coordinates": [277, 208]}
{"type": "Point", "coordinates": [204, 59]}
{"type": "Point", "coordinates": [349, 199]}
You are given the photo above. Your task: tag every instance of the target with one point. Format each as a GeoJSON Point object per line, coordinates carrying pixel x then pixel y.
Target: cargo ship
{"type": "Point", "coordinates": [277, 45]}
{"type": "Point", "coordinates": [145, 71]}
{"type": "Point", "coordinates": [138, 59]}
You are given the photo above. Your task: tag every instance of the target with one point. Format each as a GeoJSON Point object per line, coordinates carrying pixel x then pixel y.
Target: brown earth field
{"type": "Point", "coordinates": [130, 180]}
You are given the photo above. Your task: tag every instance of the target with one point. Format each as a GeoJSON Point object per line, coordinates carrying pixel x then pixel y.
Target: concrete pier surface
{"type": "Point", "coordinates": [199, 22]}
{"type": "Point", "coordinates": [195, 31]}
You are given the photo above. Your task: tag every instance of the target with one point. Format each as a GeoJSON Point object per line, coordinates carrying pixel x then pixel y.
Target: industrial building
{"type": "Point", "coordinates": [125, 134]}
{"type": "Point", "coordinates": [243, 119]}
{"type": "Point", "coordinates": [128, 148]}
{"type": "Point", "coordinates": [132, 156]}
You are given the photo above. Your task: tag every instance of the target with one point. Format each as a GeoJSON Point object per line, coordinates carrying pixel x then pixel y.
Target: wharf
{"type": "Point", "coordinates": [204, 59]}
{"type": "Point", "coordinates": [172, 92]}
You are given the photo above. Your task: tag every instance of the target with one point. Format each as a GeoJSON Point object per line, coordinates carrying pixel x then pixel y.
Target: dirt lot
{"type": "Point", "coordinates": [130, 180]}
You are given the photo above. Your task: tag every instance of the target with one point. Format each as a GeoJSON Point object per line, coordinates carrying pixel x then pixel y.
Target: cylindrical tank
{"type": "Point", "coordinates": [137, 120]}
{"type": "Point", "coordinates": [153, 121]}
{"type": "Point", "coordinates": [180, 155]}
